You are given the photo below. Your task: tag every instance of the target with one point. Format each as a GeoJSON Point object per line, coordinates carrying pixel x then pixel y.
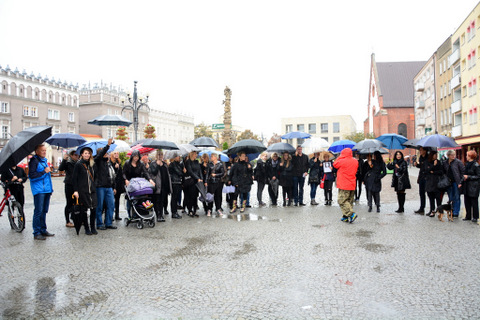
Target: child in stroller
{"type": "Point", "coordinates": [139, 203]}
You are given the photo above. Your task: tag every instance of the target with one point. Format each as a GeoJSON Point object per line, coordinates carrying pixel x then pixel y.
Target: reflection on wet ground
{"type": "Point", "coordinates": [246, 216]}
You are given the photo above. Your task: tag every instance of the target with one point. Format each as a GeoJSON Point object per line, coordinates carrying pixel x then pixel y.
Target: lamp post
{"type": "Point", "coordinates": [136, 103]}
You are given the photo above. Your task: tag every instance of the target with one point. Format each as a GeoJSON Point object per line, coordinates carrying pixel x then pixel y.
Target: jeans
{"type": "Point", "coordinates": [313, 190]}
{"type": "Point", "coordinates": [298, 183]}
{"type": "Point", "coordinates": [243, 196]}
{"type": "Point", "coordinates": [454, 195]}
{"type": "Point", "coordinates": [41, 203]}
{"type": "Point", "coordinates": [105, 195]}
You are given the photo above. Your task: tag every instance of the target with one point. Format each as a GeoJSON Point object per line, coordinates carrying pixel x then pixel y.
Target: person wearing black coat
{"type": "Point", "coordinates": [104, 182]}
{"type": "Point", "coordinates": [176, 171]}
{"type": "Point", "coordinates": [83, 181]}
{"type": "Point", "coordinates": [15, 177]}
{"type": "Point", "coordinates": [273, 176]}
{"type": "Point", "coordinates": [314, 176]}
{"type": "Point", "coordinates": [359, 176]}
{"type": "Point", "coordinates": [119, 185]}
{"type": "Point", "coordinates": [226, 180]}
{"type": "Point", "coordinates": [299, 172]}
{"type": "Point", "coordinates": [286, 178]}
{"type": "Point", "coordinates": [242, 178]}
{"type": "Point", "coordinates": [163, 186]}
{"type": "Point", "coordinates": [327, 172]}
{"type": "Point", "coordinates": [192, 177]}
{"type": "Point", "coordinates": [433, 171]}
{"type": "Point", "coordinates": [260, 175]}
{"type": "Point", "coordinates": [214, 179]}
{"type": "Point", "coordinates": [375, 170]}
{"type": "Point", "coordinates": [400, 179]}
{"type": "Point", "coordinates": [420, 163]}
{"type": "Point", "coordinates": [67, 165]}
{"type": "Point", "coordinates": [471, 186]}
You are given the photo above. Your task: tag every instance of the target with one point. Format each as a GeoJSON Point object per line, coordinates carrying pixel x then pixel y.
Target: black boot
{"type": "Point", "coordinates": [401, 202]}
{"type": "Point", "coordinates": [369, 208]}
{"type": "Point", "coordinates": [378, 208]}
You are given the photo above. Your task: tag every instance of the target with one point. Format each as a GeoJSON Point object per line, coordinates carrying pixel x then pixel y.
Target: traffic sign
{"type": "Point", "coordinates": [218, 126]}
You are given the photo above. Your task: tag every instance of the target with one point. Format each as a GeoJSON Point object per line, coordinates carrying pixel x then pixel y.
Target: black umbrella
{"type": "Point", "coordinates": [22, 144]}
{"type": "Point", "coordinates": [66, 140]}
{"type": "Point", "coordinates": [204, 142]}
{"type": "Point", "coordinates": [281, 147]}
{"type": "Point", "coordinates": [202, 190]}
{"type": "Point", "coordinates": [412, 143]}
{"type": "Point", "coordinates": [110, 120]}
{"type": "Point", "coordinates": [382, 150]}
{"type": "Point", "coordinates": [159, 144]}
{"type": "Point", "coordinates": [247, 146]}
{"type": "Point", "coordinates": [77, 215]}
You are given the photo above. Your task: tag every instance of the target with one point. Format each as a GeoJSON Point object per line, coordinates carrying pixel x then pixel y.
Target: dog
{"type": "Point", "coordinates": [445, 208]}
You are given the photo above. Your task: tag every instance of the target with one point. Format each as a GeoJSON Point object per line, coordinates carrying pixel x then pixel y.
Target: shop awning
{"type": "Point", "coordinates": [468, 140]}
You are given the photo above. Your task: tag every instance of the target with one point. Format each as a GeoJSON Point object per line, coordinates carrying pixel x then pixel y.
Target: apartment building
{"type": "Point", "coordinates": [425, 103]}
{"type": "Point", "coordinates": [171, 126]}
{"type": "Point", "coordinates": [443, 97]}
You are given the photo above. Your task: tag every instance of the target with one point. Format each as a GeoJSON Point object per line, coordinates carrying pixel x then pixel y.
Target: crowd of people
{"type": "Point", "coordinates": [97, 183]}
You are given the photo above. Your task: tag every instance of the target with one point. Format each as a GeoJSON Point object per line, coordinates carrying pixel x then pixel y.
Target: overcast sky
{"type": "Point", "coordinates": [280, 58]}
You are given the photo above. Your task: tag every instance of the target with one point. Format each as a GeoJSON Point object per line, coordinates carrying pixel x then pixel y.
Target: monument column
{"type": "Point", "coordinates": [227, 118]}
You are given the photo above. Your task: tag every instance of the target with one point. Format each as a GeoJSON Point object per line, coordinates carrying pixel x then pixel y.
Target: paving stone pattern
{"type": "Point", "coordinates": [297, 263]}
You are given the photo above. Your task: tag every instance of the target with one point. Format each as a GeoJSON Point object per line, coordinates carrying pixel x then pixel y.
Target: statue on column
{"type": "Point", "coordinates": [227, 117]}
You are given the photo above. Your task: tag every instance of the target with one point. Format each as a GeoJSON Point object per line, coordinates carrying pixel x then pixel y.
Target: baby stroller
{"type": "Point", "coordinates": [139, 192]}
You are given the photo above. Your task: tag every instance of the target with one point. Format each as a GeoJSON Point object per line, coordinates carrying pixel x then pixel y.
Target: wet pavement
{"type": "Point", "coordinates": [267, 263]}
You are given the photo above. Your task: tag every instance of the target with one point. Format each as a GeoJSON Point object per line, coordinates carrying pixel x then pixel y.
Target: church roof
{"type": "Point", "coordinates": [395, 82]}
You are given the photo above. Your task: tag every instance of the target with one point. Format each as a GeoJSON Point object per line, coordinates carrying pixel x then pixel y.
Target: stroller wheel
{"type": "Point", "coordinates": [126, 221]}
{"type": "Point", "coordinates": [139, 225]}
{"type": "Point", "coordinates": [151, 223]}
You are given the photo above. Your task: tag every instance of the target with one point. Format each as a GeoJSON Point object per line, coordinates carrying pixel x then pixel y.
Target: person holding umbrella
{"type": "Point", "coordinates": [260, 175]}
{"type": "Point", "coordinates": [163, 185]}
{"type": "Point", "coordinates": [68, 165]}
{"type": "Point", "coordinates": [119, 188]}
{"type": "Point", "coordinates": [359, 176]}
{"type": "Point", "coordinates": [15, 177]}
{"type": "Point", "coordinates": [314, 176]}
{"type": "Point", "coordinates": [85, 192]}
{"type": "Point", "coordinates": [400, 179]}
{"type": "Point", "coordinates": [375, 170]}
{"type": "Point", "coordinates": [346, 167]}
{"type": "Point", "coordinates": [433, 172]}
{"type": "Point", "coordinates": [242, 179]}
{"type": "Point", "coordinates": [299, 172]}
{"type": "Point", "coordinates": [104, 182]}
{"type": "Point", "coordinates": [42, 189]}
{"type": "Point", "coordinates": [286, 178]}
{"type": "Point", "coordinates": [455, 171]}
{"type": "Point", "coordinates": [176, 171]}
{"type": "Point", "coordinates": [215, 173]}
{"type": "Point", "coordinates": [471, 185]}
{"type": "Point", "coordinates": [328, 172]}
{"type": "Point", "coordinates": [273, 175]}
{"type": "Point", "coordinates": [192, 177]}
{"type": "Point", "coordinates": [420, 163]}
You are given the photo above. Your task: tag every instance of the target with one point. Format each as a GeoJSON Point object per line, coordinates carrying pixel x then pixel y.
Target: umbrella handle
{"type": "Point", "coordinates": [76, 199]}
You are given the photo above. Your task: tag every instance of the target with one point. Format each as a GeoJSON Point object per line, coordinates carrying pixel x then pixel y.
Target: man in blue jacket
{"type": "Point", "coordinates": [41, 184]}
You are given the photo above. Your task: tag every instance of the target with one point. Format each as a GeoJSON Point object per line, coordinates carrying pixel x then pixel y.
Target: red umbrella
{"type": "Point", "coordinates": [141, 149]}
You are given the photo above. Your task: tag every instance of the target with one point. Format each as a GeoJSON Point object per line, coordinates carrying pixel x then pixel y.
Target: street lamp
{"type": "Point", "coordinates": [136, 103]}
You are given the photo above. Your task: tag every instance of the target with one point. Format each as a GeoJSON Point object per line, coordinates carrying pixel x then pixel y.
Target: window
{"type": "Point", "coordinates": [300, 142]}
{"type": "Point", "coordinates": [441, 92]}
{"type": "Point", "coordinates": [53, 114]}
{"type": "Point", "coordinates": [441, 68]}
{"type": "Point", "coordinates": [441, 118]}
{"type": "Point", "coordinates": [312, 128]}
{"type": "Point", "coordinates": [325, 138]}
{"type": "Point", "coordinates": [301, 127]}
{"type": "Point", "coordinates": [336, 139]}
{"type": "Point", "coordinates": [336, 127]}
{"type": "Point", "coordinates": [288, 128]}
{"type": "Point", "coordinates": [324, 127]}
{"type": "Point", "coordinates": [29, 111]}
{"type": "Point", "coordinates": [71, 117]}
{"type": "Point", "coordinates": [402, 129]}
{"type": "Point", "coordinates": [56, 129]}
{"type": "Point", "coordinates": [4, 107]}
{"type": "Point", "coordinates": [473, 113]}
{"type": "Point", "coordinates": [5, 132]}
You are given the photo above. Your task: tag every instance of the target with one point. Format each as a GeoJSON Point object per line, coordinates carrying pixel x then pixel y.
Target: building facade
{"type": "Point", "coordinates": [330, 128]}
{"type": "Point", "coordinates": [425, 103]}
{"type": "Point", "coordinates": [391, 98]}
{"type": "Point", "coordinates": [444, 97]}
{"type": "Point", "coordinates": [29, 100]}
{"type": "Point", "coordinates": [174, 127]}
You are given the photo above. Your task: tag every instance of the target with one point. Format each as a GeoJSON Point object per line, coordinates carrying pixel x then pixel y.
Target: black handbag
{"type": "Point", "coordinates": [188, 182]}
{"type": "Point", "coordinates": [444, 182]}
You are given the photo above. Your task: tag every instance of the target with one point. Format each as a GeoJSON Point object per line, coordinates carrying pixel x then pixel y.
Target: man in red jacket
{"type": "Point", "coordinates": [346, 167]}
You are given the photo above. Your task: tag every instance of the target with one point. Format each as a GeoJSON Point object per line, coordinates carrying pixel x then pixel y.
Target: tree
{"type": "Point", "coordinates": [225, 146]}
{"type": "Point", "coordinates": [202, 130]}
{"type": "Point", "coordinates": [247, 134]}
{"type": "Point", "coordinates": [359, 136]}
{"type": "Point", "coordinates": [274, 139]}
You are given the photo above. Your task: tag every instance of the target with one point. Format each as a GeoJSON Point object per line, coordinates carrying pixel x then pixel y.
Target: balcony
{"type": "Point", "coordinates": [419, 104]}
{"type": "Point", "coordinates": [454, 57]}
{"type": "Point", "coordinates": [455, 82]}
{"type": "Point", "coordinates": [456, 131]}
{"type": "Point", "coordinates": [456, 106]}
{"type": "Point", "coordinates": [420, 121]}
{"type": "Point", "coordinates": [419, 86]}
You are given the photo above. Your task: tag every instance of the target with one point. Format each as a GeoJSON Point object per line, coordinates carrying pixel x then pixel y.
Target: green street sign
{"type": "Point", "coordinates": [218, 126]}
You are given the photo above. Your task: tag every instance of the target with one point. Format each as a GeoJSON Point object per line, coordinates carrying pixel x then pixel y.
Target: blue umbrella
{"type": "Point", "coordinates": [393, 141]}
{"type": "Point", "coordinates": [94, 145]}
{"type": "Point", "coordinates": [296, 135]}
{"type": "Point", "coordinates": [223, 156]}
{"type": "Point", "coordinates": [339, 145]}
{"type": "Point", "coordinates": [437, 141]}
{"type": "Point", "coordinates": [65, 140]}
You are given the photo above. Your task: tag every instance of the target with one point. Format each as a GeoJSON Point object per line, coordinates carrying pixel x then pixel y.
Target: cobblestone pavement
{"type": "Point", "coordinates": [297, 263]}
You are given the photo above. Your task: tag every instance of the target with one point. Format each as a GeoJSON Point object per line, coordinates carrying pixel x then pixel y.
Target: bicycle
{"type": "Point", "coordinates": [16, 217]}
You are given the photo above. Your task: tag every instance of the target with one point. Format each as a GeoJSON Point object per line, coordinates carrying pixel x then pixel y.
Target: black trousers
{"type": "Point", "coordinates": [93, 217]}
{"type": "Point", "coordinates": [471, 207]}
{"type": "Point", "coordinates": [287, 192]}
{"type": "Point", "coordinates": [69, 201]}
{"type": "Point", "coordinates": [327, 189]}
{"type": "Point", "coordinates": [260, 187]}
{"type": "Point", "coordinates": [421, 192]}
{"type": "Point", "coordinates": [191, 195]}
{"type": "Point", "coordinates": [216, 190]}
{"type": "Point", "coordinates": [176, 195]}
{"type": "Point", "coordinates": [17, 191]}
{"type": "Point", "coordinates": [434, 197]}
{"type": "Point", "coordinates": [375, 196]}
{"type": "Point", "coordinates": [160, 202]}
{"type": "Point", "coordinates": [117, 204]}
{"type": "Point", "coordinates": [273, 195]}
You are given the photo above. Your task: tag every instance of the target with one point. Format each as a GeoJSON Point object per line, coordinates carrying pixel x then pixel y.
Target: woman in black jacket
{"type": "Point", "coordinates": [83, 181]}
{"type": "Point", "coordinates": [286, 178]}
{"type": "Point", "coordinates": [374, 169]}
{"type": "Point", "coordinates": [327, 171]}
{"type": "Point", "coordinates": [260, 175]}
{"type": "Point", "coordinates": [215, 174]}
{"type": "Point", "coordinates": [192, 177]}
{"type": "Point", "coordinates": [471, 186]}
{"type": "Point", "coordinates": [163, 186]}
{"type": "Point", "coordinates": [314, 176]}
{"type": "Point", "coordinates": [176, 170]}
{"type": "Point", "coordinates": [242, 179]}
{"type": "Point", "coordinates": [273, 177]}
{"type": "Point", "coordinates": [400, 179]}
{"type": "Point", "coordinates": [433, 172]}
{"type": "Point", "coordinates": [16, 177]}
{"type": "Point", "coordinates": [119, 186]}
{"type": "Point", "coordinates": [67, 165]}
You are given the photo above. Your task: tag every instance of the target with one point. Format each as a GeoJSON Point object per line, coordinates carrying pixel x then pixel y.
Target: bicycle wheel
{"type": "Point", "coordinates": [16, 216]}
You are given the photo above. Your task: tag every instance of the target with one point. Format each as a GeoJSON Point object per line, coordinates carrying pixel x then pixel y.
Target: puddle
{"type": "Point", "coordinates": [247, 216]}
{"type": "Point", "coordinates": [376, 247]}
{"type": "Point", "coordinates": [246, 249]}
{"type": "Point", "coordinates": [364, 233]}
{"type": "Point", "coordinates": [276, 220]}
